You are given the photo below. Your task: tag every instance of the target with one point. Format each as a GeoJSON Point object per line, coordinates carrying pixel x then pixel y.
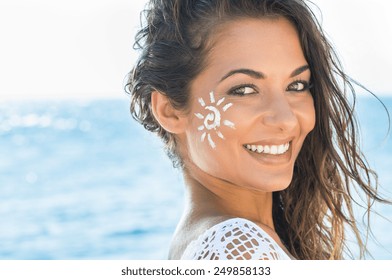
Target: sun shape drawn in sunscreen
{"type": "Point", "coordinates": [212, 121]}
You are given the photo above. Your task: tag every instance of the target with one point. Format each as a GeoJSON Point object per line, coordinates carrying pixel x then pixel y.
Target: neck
{"type": "Point", "coordinates": [216, 197]}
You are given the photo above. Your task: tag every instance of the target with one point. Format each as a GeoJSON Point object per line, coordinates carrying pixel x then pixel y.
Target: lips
{"type": "Point", "coordinates": [268, 149]}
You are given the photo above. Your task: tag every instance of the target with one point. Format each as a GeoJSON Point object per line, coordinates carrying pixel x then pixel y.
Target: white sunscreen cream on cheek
{"type": "Point", "coordinates": [212, 119]}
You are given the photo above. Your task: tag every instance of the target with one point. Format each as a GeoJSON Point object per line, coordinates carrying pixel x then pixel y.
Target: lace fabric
{"type": "Point", "coordinates": [234, 239]}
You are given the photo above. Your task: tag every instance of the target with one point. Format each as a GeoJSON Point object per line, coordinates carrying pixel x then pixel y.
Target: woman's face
{"type": "Point", "coordinates": [250, 108]}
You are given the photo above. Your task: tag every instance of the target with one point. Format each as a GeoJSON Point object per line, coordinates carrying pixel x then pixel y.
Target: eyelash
{"type": "Point", "coordinates": [236, 90]}
{"type": "Point", "coordinates": [306, 86]}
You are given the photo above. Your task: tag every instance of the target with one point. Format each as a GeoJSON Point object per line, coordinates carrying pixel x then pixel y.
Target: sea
{"type": "Point", "coordinates": [80, 179]}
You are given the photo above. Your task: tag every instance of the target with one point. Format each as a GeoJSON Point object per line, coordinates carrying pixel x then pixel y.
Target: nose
{"type": "Point", "coordinates": [279, 114]}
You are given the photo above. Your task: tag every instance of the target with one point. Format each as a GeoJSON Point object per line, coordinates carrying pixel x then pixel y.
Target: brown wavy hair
{"type": "Point", "coordinates": [311, 215]}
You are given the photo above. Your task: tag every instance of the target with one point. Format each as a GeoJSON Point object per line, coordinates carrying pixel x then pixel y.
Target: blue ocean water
{"type": "Point", "coordinates": [83, 180]}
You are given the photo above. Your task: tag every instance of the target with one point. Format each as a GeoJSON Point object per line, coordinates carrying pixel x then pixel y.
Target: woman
{"type": "Point", "coordinates": [247, 98]}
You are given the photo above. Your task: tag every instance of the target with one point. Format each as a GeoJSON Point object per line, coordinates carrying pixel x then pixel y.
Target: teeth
{"type": "Point", "coordinates": [274, 150]}
{"type": "Point", "coordinates": [269, 149]}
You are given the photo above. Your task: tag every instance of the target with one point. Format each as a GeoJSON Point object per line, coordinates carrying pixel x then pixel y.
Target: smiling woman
{"type": "Point", "coordinates": [272, 106]}
{"type": "Point", "coordinates": [246, 96]}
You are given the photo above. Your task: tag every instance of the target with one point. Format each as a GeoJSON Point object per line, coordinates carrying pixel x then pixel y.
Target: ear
{"type": "Point", "coordinates": [171, 119]}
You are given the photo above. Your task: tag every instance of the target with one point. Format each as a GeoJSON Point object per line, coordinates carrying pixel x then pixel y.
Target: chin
{"type": "Point", "coordinates": [272, 185]}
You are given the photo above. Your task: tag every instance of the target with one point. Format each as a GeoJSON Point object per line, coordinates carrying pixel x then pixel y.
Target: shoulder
{"type": "Point", "coordinates": [236, 239]}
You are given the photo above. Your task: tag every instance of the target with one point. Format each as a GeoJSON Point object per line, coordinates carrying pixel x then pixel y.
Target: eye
{"type": "Point", "coordinates": [243, 90]}
{"type": "Point", "coordinates": [298, 86]}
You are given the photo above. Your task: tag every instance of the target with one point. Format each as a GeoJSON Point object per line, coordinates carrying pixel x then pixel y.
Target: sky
{"type": "Point", "coordinates": [83, 48]}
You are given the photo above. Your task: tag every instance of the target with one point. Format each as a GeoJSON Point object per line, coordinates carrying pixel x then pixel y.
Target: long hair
{"type": "Point", "coordinates": [310, 216]}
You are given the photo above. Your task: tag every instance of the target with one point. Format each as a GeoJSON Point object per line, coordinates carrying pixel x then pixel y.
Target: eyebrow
{"type": "Point", "coordinates": [299, 70]}
{"type": "Point", "coordinates": [260, 75]}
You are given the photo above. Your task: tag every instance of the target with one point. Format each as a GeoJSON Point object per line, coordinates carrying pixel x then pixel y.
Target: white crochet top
{"type": "Point", "coordinates": [234, 239]}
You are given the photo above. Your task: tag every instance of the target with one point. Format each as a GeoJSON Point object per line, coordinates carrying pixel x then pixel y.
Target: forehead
{"type": "Point", "coordinates": [256, 43]}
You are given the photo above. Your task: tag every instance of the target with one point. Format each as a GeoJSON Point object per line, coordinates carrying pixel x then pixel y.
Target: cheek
{"type": "Point", "coordinates": [209, 120]}
{"type": "Point", "coordinates": [210, 134]}
{"type": "Point", "coordinates": [309, 117]}
{"type": "Point", "coordinates": [208, 149]}
{"type": "Point", "coordinates": [306, 115]}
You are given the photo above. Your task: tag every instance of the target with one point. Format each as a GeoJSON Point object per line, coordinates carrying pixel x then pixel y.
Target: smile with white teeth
{"type": "Point", "coordinates": [268, 149]}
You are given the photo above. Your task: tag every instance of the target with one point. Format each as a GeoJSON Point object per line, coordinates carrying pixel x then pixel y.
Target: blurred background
{"type": "Point", "coordinates": [79, 179]}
